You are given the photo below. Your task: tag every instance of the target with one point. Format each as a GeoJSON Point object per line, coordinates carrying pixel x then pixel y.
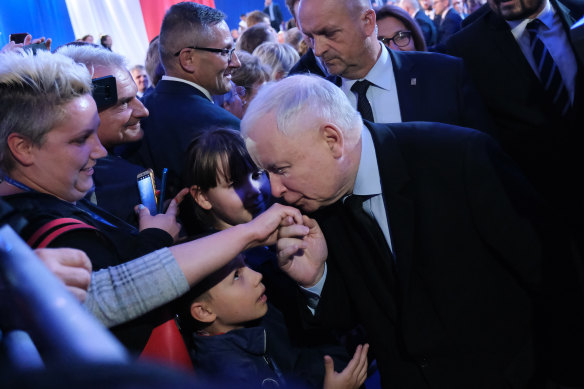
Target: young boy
{"type": "Point", "coordinates": [235, 336]}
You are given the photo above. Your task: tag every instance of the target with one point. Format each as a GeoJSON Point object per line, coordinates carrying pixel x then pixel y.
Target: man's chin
{"type": "Point", "coordinates": [133, 135]}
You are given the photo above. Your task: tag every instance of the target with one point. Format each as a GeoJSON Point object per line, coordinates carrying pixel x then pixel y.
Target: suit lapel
{"type": "Point", "coordinates": [406, 84]}
{"type": "Point", "coordinates": [504, 41]}
{"type": "Point", "coordinates": [399, 207]}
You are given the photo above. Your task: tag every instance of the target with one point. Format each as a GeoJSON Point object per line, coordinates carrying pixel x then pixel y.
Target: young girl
{"type": "Point", "coordinates": [226, 188]}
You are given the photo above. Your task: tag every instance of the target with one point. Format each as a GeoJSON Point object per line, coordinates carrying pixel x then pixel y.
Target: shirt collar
{"type": "Point", "coordinates": [546, 16]}
{"type": "Point", "coordinates": [203, 90]}
{"type": "Point", "coordinates": [381, 74]}
{"type": "Point", "coordinates": [367, 181]}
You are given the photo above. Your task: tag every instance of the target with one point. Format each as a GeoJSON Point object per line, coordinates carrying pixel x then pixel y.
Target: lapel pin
{"type": "Point", "coordinates": [413, 81]}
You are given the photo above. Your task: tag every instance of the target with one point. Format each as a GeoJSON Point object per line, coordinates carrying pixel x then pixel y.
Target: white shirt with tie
{"type": "Point", "coordinates": [382, 95]}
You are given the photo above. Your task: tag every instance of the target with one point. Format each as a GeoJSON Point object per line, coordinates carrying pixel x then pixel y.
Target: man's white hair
{"type": "Point", "coordinates": [93, 56]}
{"type": "Point", "coordinates": [295, 99]}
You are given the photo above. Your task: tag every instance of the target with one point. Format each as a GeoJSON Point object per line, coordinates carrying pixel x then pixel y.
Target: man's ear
{"type": "Point", "coordinates": [186, 62]}
{"type": "Point", "coordinates": [334, 139]}
{"type": "Point", "coordinates": [201, 311]}
{"type": "Point", "coordinates": [369, 21]}
{"type": "Point", "coordinates": [21, 148]}
{"type": "Point", "coordinates": [200, 197]}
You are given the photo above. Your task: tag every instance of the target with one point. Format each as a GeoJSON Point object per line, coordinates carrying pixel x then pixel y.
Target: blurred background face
{"type": "Point", "coordinates": [141, 79]}
{"type": "Point", "coordinates": [439, 6]}
{"type": "Point", "coordinates": [458, 6]}
{"type": "Point", "coordinates": [516, 9]}
{"type": "Point", "coordinates": [389, 28]}
{"type": "Point", "coordinates": [426, 4]}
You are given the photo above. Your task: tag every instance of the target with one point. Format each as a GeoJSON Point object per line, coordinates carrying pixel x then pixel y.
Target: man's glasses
{"type": "Point", "coordinates": [401, 39]}
{"type": "Point", "coordinates": [228, 53]}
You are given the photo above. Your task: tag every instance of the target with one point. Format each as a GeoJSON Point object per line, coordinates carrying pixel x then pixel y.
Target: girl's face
{"type": "Point", "coordinates": [232, 205]}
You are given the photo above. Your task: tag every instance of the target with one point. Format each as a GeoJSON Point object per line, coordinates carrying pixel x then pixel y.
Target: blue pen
{"type": "Point", "coordinates": [162, 189]}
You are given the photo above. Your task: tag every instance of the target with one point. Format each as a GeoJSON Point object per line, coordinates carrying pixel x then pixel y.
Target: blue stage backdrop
{"type": "Point", "coordinates": [234, 8]}
{"type": "Point", "coordinates": [36, 17]}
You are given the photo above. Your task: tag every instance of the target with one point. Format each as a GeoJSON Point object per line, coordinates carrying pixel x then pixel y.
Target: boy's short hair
{"type": "Point", "coordinates": [200, 292]}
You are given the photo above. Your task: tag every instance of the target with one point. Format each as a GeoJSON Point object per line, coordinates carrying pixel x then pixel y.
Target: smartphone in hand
{"type": "Point", "coordinates": [18, 37]}
{"type": "Point", "coordinates": [147, 189]}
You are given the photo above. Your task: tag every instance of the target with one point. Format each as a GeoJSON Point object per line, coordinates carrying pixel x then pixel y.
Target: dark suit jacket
{"type": "Point", "coordinates": [469, 259]}
{"type": "Point", "coordinates": [436, 88]}
{"type": "Point", "coordinates": [113, 176]}
{"type": "Point", "coordinates": [448, 26]}
{"type": "Point", "coordinates": [427, 27]}
{"type": "Point", "coordinates": [546, 146]}
{"type": "Point", "coordinates": [277, 16]}
{"type": "Point", "coordinates": [178, 112]}
{"type": "Point", "coordinates": [307, 64]}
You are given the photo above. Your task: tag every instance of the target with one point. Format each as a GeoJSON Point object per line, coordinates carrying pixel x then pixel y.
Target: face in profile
{"type": "Point", "coordinates": [303, 169]}
{"type": "Point", "coordinates": [63, 164]}
{"type": "Point", "coordinates": [233, 203]}
{"type": "Point", "coordinates": [394, 34]}
{"type": "Point", "coordinates": [121, 123]}
{"type": "Point", "coordinates": [213, 70]}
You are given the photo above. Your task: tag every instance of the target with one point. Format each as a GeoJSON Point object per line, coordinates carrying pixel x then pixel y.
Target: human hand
{"type": "Point", "coordinates": [29, 41]}
{"type": "Point", "coordinates": [11, 46]}
{"type": "Point", "coordinates": [302, 255]}
{"type": "Point", "coordinates": [352, 377]}
{"type": "Point", "coordinates": [71, 266]}
{"type": "Point", "coordinates": [264, 228]}
{"type": "Point", "coordinates": [164, 221]}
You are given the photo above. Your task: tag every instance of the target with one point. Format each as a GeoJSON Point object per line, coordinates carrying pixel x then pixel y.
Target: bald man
{"type": "Point", "coordinates": [404, 87]}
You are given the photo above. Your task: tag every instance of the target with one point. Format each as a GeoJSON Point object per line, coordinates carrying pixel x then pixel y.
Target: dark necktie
{"type": "Point", "coordinates": [369, 228]}
{"type": "Point", "coordinates": [363, 106]}
{"type": "Point", "coordinates": [548, 71]}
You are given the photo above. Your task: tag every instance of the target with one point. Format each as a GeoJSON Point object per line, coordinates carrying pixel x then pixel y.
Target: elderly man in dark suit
{"type": "Point", "coordinates": [437, 246]}
{"type": "Point", "coordinates": [196, 49]}
{"type": "Point", "coordinates": [387, 86]}
{"type": "Point", "coordinates": [533, 85]}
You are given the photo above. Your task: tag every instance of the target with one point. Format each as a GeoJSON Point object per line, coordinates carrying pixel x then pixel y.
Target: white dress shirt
{"type": "Point", "coordinates": [382, 95]}
{"type": "Point", "coordinates": [205, 91]}
{"type": "Point", "coordinates": [367, 182]}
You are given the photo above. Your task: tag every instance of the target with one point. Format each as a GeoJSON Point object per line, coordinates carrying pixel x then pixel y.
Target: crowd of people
{"type": "Point", "coordinates": [365, 188]}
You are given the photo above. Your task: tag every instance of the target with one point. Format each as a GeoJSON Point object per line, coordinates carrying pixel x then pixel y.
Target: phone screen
{"type": "Point", "coordinates": [18, 38]}
{"type": "Point", "coordinates": [147, 195]}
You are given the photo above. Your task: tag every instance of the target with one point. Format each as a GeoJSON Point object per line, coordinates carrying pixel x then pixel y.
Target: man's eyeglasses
{"type": "Point", "coordinates": [401, 39]}
{"type": "Point", "coordinates": [228, 53]}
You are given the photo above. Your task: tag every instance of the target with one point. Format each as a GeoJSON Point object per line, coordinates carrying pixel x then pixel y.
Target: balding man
{"type": "Point", "coordinates": [437, 246]}
{"type": "Point", "coordinates": [196, 49]}
{"type": "Point", "coordinates": [387, 86]}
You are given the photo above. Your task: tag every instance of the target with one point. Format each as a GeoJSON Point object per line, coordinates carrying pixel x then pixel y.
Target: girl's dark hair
{"type": "Point", "coordinates": [211, 152]}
